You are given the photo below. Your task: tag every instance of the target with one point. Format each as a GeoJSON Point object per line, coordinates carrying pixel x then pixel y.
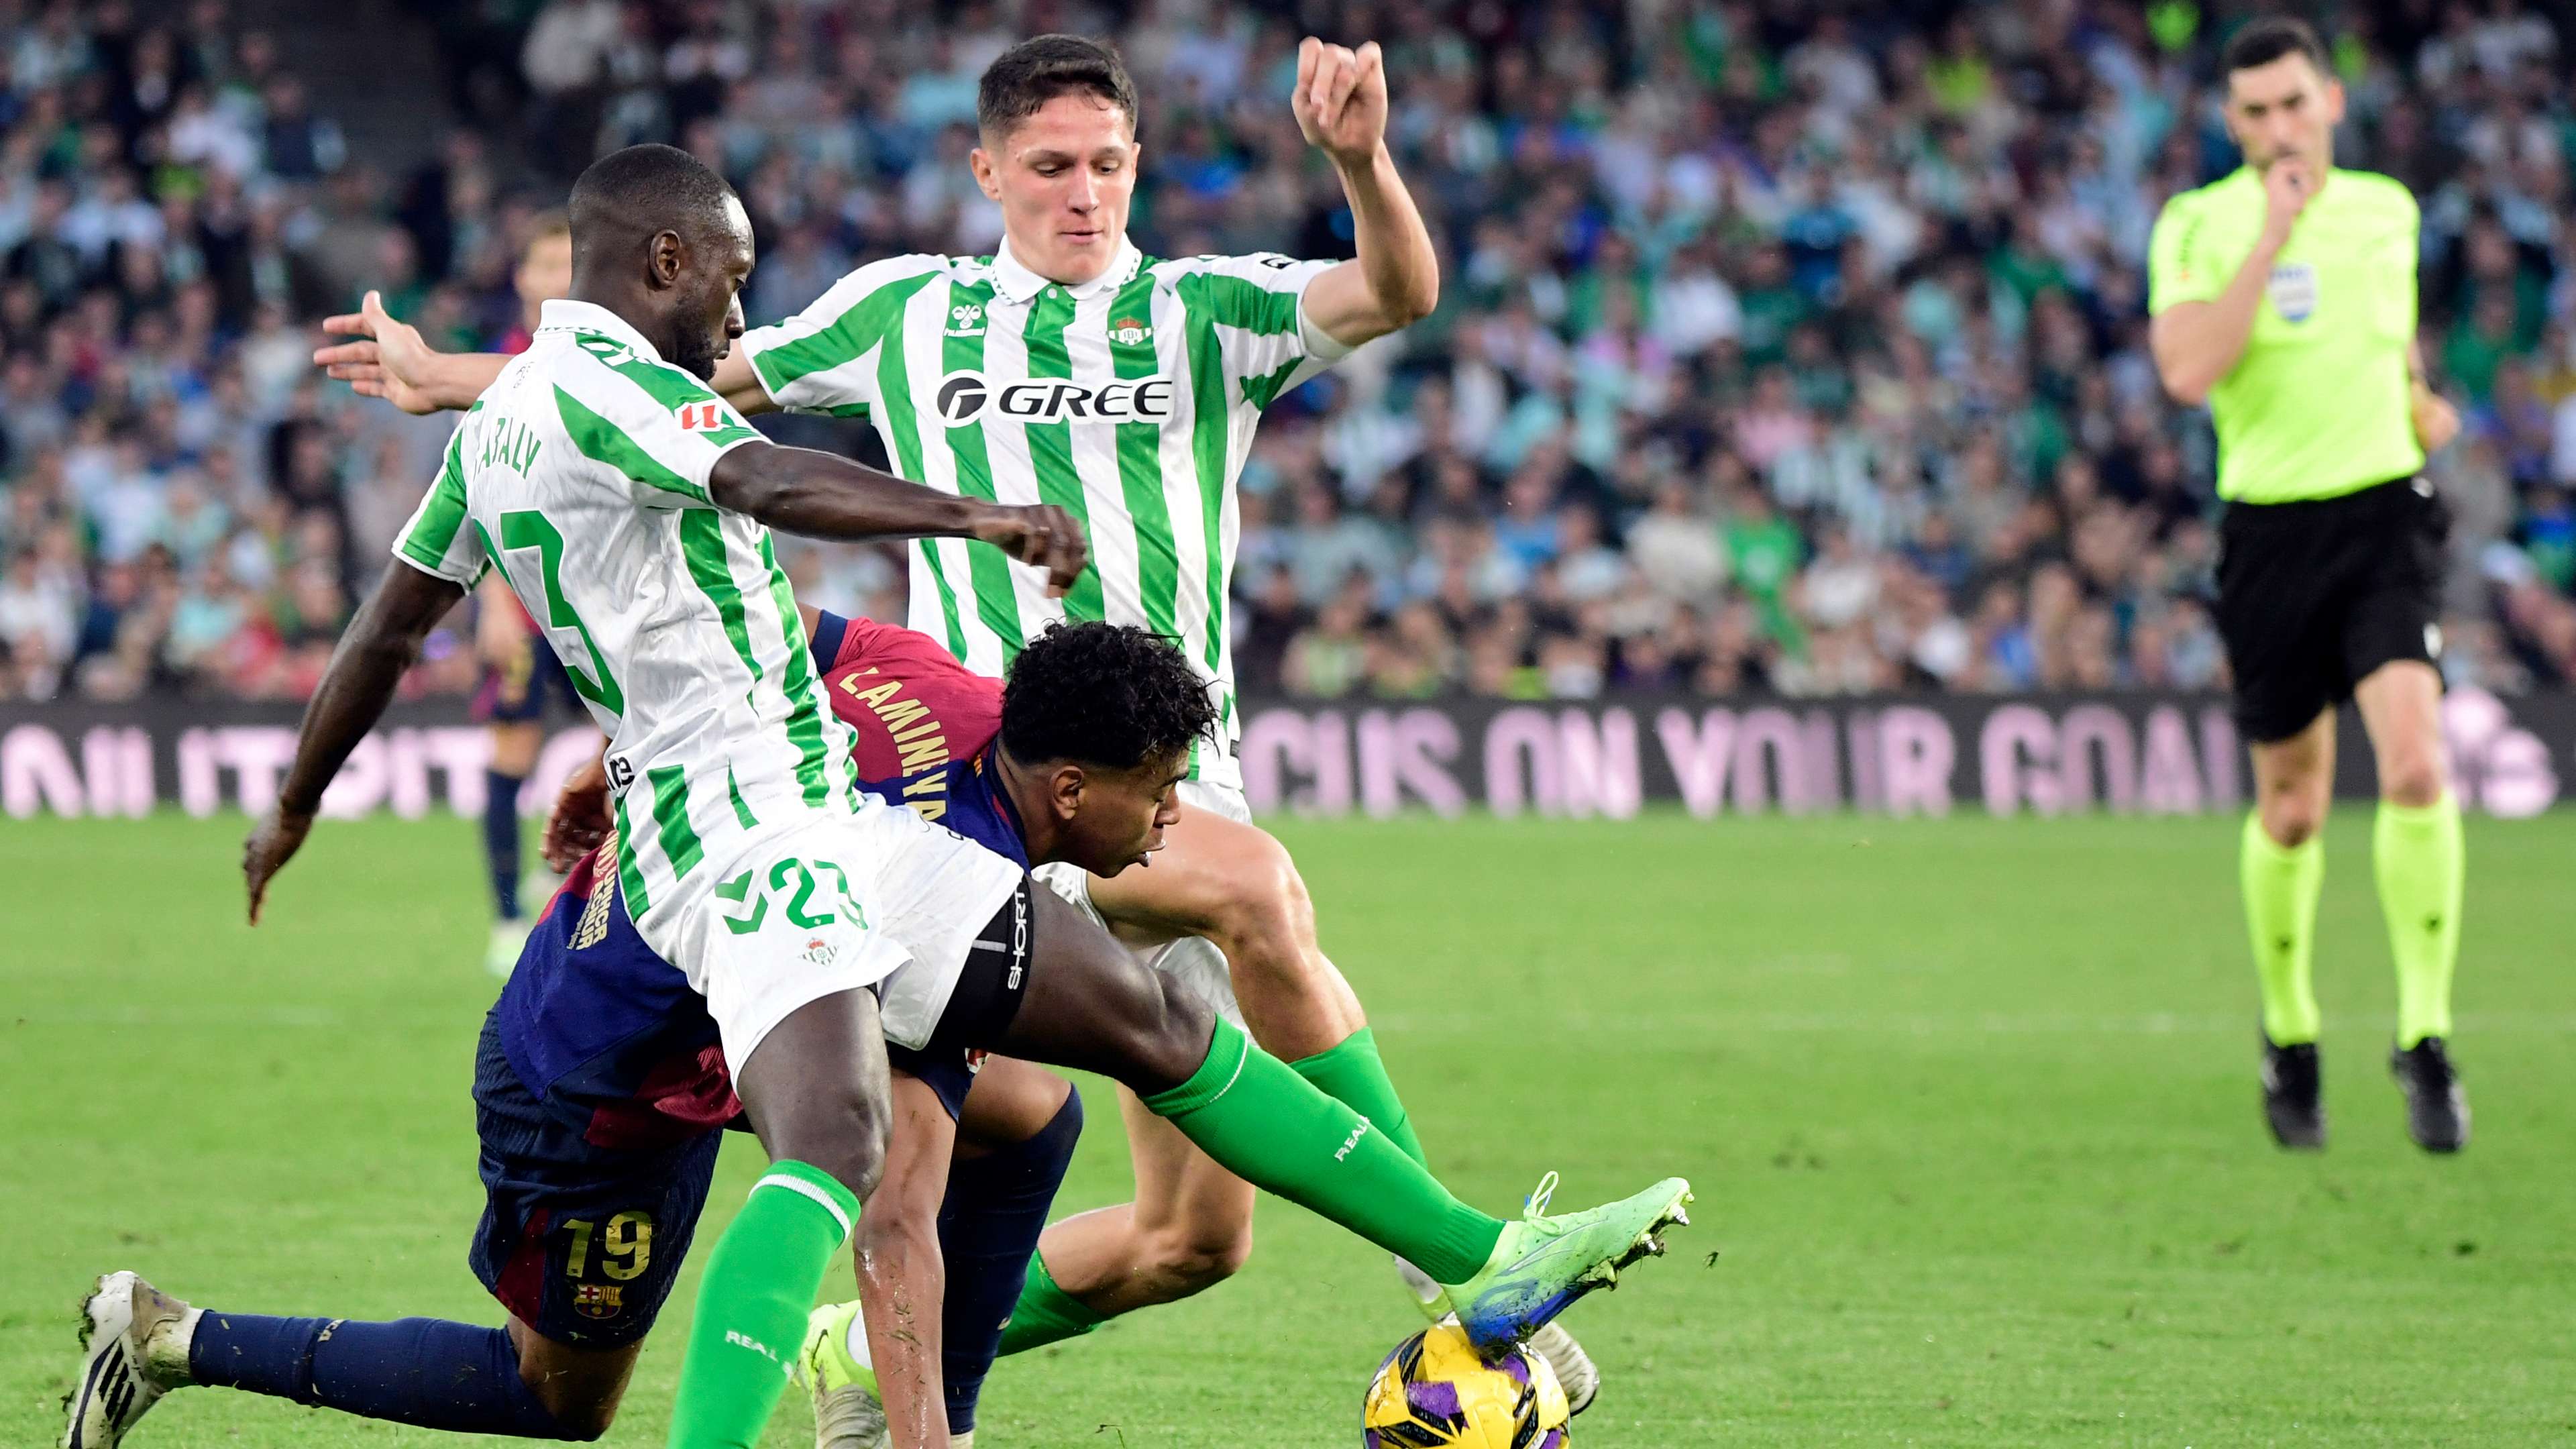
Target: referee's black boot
{"type": "Point", "coordinates": [2294, 1095]}
{"type": "Point", "coordinates": [2437, 1106]}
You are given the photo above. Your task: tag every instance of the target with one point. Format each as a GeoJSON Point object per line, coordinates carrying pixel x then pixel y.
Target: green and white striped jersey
{"type": "Point", "coordinates": [1129, 400]}
{"type": "Point", "coordinates": [582, 473]}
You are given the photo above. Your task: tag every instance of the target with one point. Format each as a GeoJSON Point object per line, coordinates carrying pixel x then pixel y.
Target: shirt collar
{"type": "Point", "coordinates": [564, 313]}
{"type": "Point", "coordinates": [1016, 282]}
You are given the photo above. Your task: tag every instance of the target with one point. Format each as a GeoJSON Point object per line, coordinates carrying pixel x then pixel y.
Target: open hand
{"type": "Point", "coordinates": [1040, 535]}
{"type": "Point", "coordinates": [389, 361]}
{"type": "Point", "coordinates": [1340, 101]}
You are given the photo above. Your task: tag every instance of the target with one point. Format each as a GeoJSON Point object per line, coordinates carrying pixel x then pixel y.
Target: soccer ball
{"type": "Point", "coordinates": [1434, 1391]}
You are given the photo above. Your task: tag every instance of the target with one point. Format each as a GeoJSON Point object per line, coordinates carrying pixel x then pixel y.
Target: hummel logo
{"type": "Point", "coordinates": [966, 320]}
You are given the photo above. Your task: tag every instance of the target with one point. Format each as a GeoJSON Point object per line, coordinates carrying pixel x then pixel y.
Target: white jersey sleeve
{"type": "Point", "coordinates": [439, 539]}
{"type": "Point", "coordinates": [824, 359]}
{"type": "Point", "coordinates": [659, 429]}
{"type": "Point", "coordinates": [1258, 303]}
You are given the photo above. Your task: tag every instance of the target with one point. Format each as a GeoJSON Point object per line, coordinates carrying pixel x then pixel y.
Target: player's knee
{"type": "Point", "coordinates": [1194, 1257]}
{"type": "Point", "coordinates": [2413, 778]}
{"type": "Point", "coordinates": [844, 1138]}
{"type": "Point", "coordinates": [1268, 920]}
{"type": "Point", "coordinates": [1172, 1035]}
{"type": "Point", "coordinates": [2291, 821]}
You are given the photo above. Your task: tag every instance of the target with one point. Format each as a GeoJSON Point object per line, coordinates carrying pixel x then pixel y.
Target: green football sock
{"type": "Point", "coordinates": [1266, 1124]}
{"type": "Point", "coordinates": [1353, 1074]}
{"type": "Point", "coordinates": [2422, 864]}
{"type": "Point", "coordinates": [1045, 1313]}
{"type": "Point", "coordinates": [2281, 889]}
{"type": "Point", "coordinates": [760, 1280]}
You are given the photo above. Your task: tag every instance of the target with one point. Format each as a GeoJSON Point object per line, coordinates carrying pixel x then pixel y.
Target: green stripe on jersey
{"type": "Point", "coordinates": [665, 384]}
{"type": "Point", "coordinates": [903, 425]}
{"type": "Point", "coordinates": [1051, 444]}
{"type": "Point", "coordinates": [805, 725]}
{"type": "Point", "coordinates": [987, 566]}
{"type": "Point", "coordinates": [702, 543]}
{"type": "Point", "coordinates": [671, 818]}
{"type": "Point", "coordinates": [1140, 462]}
{"type": "Point", "coordinates": [1239, 303]}
{"type": "Point", "coordinates": [630, 877]}
{"type": "Point", "coordinates": [1263, 390]}
{"type": "Point", "coordinates": [1211, 428]}
{"type": "Point", "coordinates": [867, 323]}
{"type": "Point", "coordinates": [602, 441]}
{"type": "Point", "coordinates": [741, 812]}
{"type": "Point", "coordinates": [442, 515]}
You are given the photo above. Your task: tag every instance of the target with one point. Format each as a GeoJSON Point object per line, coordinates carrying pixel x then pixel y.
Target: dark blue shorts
{"type": "Point", "coordinates": [580, 1242]}
{"type": "Point", "coordinates": [513, 696]}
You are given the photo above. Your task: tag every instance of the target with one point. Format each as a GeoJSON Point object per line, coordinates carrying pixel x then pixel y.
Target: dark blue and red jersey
{"type": "Point", "coordinates": [603, 1031]}
{"type": "Point", "coordinates": [610, 1038]}
{"type": "Point", "coordinates": [924, 725]}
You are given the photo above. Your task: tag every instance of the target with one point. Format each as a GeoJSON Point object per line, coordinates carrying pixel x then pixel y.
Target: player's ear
{"type": "Point", "coordinates": [1065, 789]}
{"type": "Point", "coordinates": [665, 257]}
{"type": "Point", "coordinates": [982, 163]}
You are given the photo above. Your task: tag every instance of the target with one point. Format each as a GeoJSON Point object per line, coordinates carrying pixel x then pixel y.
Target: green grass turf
{"type": "Point", "coordinates": [1969, 1105]}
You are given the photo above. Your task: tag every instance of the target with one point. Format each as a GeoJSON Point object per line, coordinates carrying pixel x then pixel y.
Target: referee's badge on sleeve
{"type": "Point", "coordinates": [2294, 291]}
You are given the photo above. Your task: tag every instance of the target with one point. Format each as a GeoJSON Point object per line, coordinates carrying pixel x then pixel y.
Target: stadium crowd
{"type": "Point", "coordinates": [1782, 346]}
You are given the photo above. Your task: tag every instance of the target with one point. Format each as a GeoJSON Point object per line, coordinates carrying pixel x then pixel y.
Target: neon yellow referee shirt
{"type": "Point", "coordinates": [2318, 404]}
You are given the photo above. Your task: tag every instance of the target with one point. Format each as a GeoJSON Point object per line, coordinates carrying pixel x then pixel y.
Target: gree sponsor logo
{"type": "Point", "coordinates": [964, 397]}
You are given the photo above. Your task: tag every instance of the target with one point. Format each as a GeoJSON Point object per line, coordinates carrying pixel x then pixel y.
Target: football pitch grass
{"type": "Point", "coordinates": [1969, 1106]}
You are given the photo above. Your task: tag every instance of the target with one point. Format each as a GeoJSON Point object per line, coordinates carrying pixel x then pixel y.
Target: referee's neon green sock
{"type": "Point", "coordinates": [2282, 884]}
{"type": "Point", "coordinates": [760, 1280]}
{"type": "Point", "coordinates": [2422, 863]}
{"type": "Point", "coordinates": [1269, 1126]}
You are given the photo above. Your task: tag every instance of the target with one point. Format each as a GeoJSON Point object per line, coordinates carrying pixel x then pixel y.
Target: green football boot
{"type": "Point", "coordinates": [1542, 1264]}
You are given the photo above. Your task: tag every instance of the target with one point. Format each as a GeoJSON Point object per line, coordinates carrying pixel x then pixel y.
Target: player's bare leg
{"type": "Point", "coordinates": [515, 744]}
{"type": "Point", "coordinates": [2282, 868]}
{"type": "Point", "coordinates": [2421, 863]}
{"type": "Point", "coordinates": [1235, 885]}
{"type": "Point", "coordinates": [581, 1387]}
{"type": "Point", "coordinates": [1189, 1228]}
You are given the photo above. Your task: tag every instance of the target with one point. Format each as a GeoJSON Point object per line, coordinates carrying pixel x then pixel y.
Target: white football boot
{"type": "Point", "coordinates": [134, 1349]}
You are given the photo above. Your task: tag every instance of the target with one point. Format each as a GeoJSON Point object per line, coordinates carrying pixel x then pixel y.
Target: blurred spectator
{"type": "Point", "coordinates": [1781, 347]}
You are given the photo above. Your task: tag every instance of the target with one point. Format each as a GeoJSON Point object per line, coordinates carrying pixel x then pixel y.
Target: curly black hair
{"type": "Point", "coordinates": [1110, 695]}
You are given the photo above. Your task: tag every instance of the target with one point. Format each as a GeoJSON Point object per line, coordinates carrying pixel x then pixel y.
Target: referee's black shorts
{"type": "Point", "coordinates": [2314, 595]}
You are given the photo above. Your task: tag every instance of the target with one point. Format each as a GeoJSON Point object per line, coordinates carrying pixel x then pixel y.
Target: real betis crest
{"type": "Point", "coordinates": [1127, 332]}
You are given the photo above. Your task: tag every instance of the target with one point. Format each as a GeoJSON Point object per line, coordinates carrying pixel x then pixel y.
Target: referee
{"type": "Point", "coordinates": [2284, 297]}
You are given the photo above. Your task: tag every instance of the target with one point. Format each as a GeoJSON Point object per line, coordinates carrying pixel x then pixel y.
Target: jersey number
{"type": "Point", "coordinates": [796, 880]}
{"type": "Point", "coordinates": [527, 528]}
{"type": "Point", "coordinates": [626, 1248]}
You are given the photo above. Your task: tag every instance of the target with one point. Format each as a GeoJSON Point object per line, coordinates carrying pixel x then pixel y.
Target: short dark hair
{"type": "Point", "coordinates": [1111, 695]}
{"type": "Point", "coordinates": [2268, 39]}
{"type": "Point", "coordinates": [642, 190]}
{"type": "Point", "coordinates": [1037, 70]}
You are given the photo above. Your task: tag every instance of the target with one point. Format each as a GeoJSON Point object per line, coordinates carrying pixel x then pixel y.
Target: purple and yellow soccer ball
{"type": "Point", "coordinates": [1434, 1392]}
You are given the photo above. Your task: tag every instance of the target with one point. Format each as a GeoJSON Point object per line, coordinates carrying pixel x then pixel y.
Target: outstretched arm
{"type": "Point", "coordinates": [380, 644]}
{"type": "Point", "coordinates": [818, 495]}
{"type": "Point", "coordinates": [390, 360]}
{"type": "Point", "coordinates": [1341, 107]}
